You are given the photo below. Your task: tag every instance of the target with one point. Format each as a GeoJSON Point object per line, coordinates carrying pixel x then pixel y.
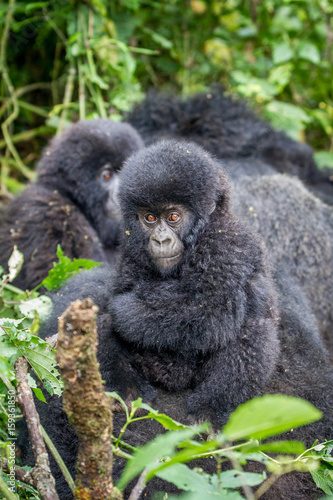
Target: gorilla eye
{"type": "Point", "coordinates": [107, 175]}
{"type": "Point", "coordinates": [173, 217]}
{"type": "Point", "coordinates": [150, 218]}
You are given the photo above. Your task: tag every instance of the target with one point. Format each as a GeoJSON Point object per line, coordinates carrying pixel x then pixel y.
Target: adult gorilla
{"type": "Point", "coordinates": [228, 129]}
{"type": "Point", "coordinates": [188, 321]}
{"type": "Point", "coordinates": [74, 201]}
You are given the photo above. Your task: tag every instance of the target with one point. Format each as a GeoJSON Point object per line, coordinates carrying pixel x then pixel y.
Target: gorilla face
{"type": "Point", "coordinates": [109, 181]}
{"type": "Point", "coordinates": [164, 227]}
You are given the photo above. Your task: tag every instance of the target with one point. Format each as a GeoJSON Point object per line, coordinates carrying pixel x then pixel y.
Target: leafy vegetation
{"type": "Point", "coordinates": [63, 60]}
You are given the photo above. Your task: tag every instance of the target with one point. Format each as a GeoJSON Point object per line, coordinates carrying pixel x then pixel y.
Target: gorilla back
{"type": "Point", "coordinates": [74, 201]}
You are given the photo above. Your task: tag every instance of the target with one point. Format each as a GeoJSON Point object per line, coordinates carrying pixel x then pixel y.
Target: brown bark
{"type": "Point", "coordinates": [41, 473]}
{"type": "Point", "coordinates": [85, 402]}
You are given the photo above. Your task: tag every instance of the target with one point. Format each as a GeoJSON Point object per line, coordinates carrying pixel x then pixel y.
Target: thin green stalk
{"type": "Point", "coordinates": [82, 100]}
{"type": "Point", "coordinates": [124, 445]}
{"type": "Point", "coordinates": [120, 453]}
{"type": "Point", "coordinates": [5, 37]}
{"type": "Point", "coordinates": [27, 135]}
{"type": "Point", "coordinates": [58, 459]}
{"type": "Point", "coordinates": [9, 495]}
{"type": "Point", "coordinates": [97, 91]}
{"type": "Point", "coordinates": [20, 165]}
{"type": "Point", "coordinates": [67, 97]}
{"type": "Point", "coordinates": [22, 90]}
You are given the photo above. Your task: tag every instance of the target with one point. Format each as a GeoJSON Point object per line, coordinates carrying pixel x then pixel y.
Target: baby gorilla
{"type": "Point", "coordinates": [188, 320]}
{"type": "Point", "coordinates": [74, 201]}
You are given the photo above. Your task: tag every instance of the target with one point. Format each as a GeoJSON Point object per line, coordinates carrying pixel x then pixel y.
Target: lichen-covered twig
{"type": "Point", "coordinates": [87, 406]}
{"type": "Point", "coordinates": [41, 473]}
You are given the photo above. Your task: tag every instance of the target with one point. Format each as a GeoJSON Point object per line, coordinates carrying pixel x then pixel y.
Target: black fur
{"type": "Point", "coordinates": [67, 204]}
{"type": "Point", "coordinates": [228, 129]}
{"type": "Point", "coordinates": [296, 227]}
{"type": "Point", "coordinates": [297, 231]}
{"type": "Point", "coordinates": [205, 338]}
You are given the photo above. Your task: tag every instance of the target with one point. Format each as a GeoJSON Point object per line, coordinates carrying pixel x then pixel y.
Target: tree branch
{"type": "Point", "coordinates": [41, 473]}
{"type": "Point", "coordinates": [87, 406]}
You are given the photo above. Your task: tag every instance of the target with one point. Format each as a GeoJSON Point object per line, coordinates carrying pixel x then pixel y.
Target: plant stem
{"type": "Point", "coordinates": [61, 464]}
{"type": "Point", "coordinates": [9, 495]}
{"type": "Point", "coordinates": [67, 97]}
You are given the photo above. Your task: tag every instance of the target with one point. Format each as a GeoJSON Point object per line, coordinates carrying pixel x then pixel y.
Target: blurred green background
{"type": "Point", "coordinates": [63, 60]}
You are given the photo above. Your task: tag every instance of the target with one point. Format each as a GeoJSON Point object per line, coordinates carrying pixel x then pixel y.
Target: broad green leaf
{"type": "Point", "coordinates": [65, 269]}
{"type": "Point", "coordinates": [323, 477]}
{"type": "Point", "coordinates": [185, 478]}
{"type": "Point", "coordinates": [161, 447]}
{"type": "Point", "coordinates": [289, 447]}
{"type": "Point", "coordinates": [190, 452]}
{"type": "Point", "coordinates": [165, 420]}
{"type": "Point", "coordinates": [235, 479]}
{"type": "Point", "coordinates": [197, 495]}
{"type": "Point", "coordinates": [281, 75]}
{"type": "Point", "coordinates": [15, 263]}
{"type": "Point", "coordinates": [282, 53]}
{"type": "Point", "coordinates": [35, 6]}
{"type": "Point", "coordinates": [158, 38]}
{"type": "Point", "coordinates": [324, 159]}
{"type": "Point", "coordinates": [39, 395]}
{"type": "Point", "coordinates": [287, 117]}
{"type": "Point", "coordinates": [15, 343]}
{"type": "Point", "coordinates": [42, 305]}
{"type": "Point", "coordinates": [309, 52]}
{"type": "Point", "coordinates": [269, 415]}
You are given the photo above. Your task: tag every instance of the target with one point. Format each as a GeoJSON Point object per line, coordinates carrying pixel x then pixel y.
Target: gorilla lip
{"type": "Point", "coordinates": [168, 260]}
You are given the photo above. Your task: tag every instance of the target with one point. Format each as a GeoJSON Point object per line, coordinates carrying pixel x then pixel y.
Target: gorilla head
{"type": "Point", "coordinates": [171, 189]}
{"type": "Point", "coordinates": [74, 201]}
{"type": "Point", "coordinates": [83, 164]}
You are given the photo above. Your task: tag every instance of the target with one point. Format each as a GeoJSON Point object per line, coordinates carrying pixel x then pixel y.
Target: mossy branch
{"type": "Point", "coordinates": [87, 406]}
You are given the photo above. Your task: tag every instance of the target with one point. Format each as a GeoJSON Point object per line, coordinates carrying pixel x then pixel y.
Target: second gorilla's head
{"type": "Point", "coordinates": [83, 164]}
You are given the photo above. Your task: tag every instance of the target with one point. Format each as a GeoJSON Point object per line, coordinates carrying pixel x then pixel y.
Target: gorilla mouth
{"type": "Point", "coordinates": [167, 262]}
{"type": "Point", "coordinates": [169, 258]}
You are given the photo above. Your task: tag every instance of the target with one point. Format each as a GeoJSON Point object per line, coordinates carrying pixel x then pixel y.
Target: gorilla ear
{"type": "Point", "coordinates": [212, 208]}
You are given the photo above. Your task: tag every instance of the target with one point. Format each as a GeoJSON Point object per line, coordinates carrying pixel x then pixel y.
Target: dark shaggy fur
{"type": "Point", "coordinates": [297, 230]}
{"type": "Point", "coordinates": [229, 130]}
{"type": "Point", "coordinates": [204, 338]}
{"type": "Point", "coordinates": [67, 204]}
{"type": "Point", "coordinates": [296, 226]}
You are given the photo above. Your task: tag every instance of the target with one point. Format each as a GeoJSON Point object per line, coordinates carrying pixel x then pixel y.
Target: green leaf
{"type": "Point", "coordinates": [287, 117]}
{"type": "Point", "coordinates": [309, 52]}
{"type": "Point", "coordinates": [15, 343]}
{"type": "Point", "coordinates": [39, 395]}
{"type": "Point", "coordinates": [185, 478]}
{"type": "Point", "coordinates": [41, 305]}
{"type": "Point", "coordinates": [161, 447]}
{"type": "Point", "coordinates": [198, 495]}
{"type": "Point", "coordinates": [65, 269]}
{"type": "Point", "coordinates": [324, 159]}
{"type": "Point", "coordinates": [158, 38]}
{"type": "Point", "coordinates": [165, 420]}
{"type": "Point", "coordinates": [288, 447]}
{"type": "Point", "coordinates": [282, 53]}
{"type": "Point", "coordinates": [15, 263]}
{"type": "Point", "coordinates": [235, 479]}
{"type": "Point", "coordinates": [35, 6]}
{"type": "Point", "coordinates": [268, 416]}
{"type": "Point", "coordinates": [323, 477]}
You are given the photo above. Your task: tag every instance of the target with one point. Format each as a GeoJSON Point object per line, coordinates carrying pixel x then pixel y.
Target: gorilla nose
{"type": "Point", "coordinates": [161, 241]}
